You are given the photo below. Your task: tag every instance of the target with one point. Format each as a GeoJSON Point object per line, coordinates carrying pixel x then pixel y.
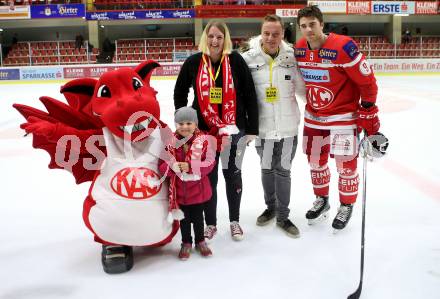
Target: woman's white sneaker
{"type": "Point", "coordinates": [236, 231]}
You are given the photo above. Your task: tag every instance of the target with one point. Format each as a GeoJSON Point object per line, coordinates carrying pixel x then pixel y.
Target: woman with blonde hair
{"type": "Point", "coordinates": [226, 105]}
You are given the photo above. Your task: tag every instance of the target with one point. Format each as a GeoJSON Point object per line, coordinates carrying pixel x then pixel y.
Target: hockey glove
{"type": "Point", "coordinates": [368, 119]}
{"type": "Point", "coordinates": [375, 146]}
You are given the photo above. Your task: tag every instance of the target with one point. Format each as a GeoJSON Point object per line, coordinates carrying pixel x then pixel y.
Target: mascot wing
{"type": "Point", "coordinates": [74, 118]}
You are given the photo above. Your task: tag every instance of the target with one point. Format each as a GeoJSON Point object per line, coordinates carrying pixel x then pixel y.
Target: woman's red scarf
{"type": "Point", "coordinates": [204, 82]}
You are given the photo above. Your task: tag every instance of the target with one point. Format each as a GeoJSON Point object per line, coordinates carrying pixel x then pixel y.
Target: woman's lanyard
{"type": "Point", "coordinates": [215, 93]}
{"type": "Point", "coordinates": [210, 69]}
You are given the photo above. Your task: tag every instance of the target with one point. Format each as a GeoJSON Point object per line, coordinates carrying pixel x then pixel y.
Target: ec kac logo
{"type": "Point", "coordinates": [319, 97]}
{"type": "Point", "coordinates": [136, 183]}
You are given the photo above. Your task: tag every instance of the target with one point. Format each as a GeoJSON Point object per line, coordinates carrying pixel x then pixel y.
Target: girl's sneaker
{"type": "Point", "coordinates": [210, 232]}
{"type": "Point", "coordinates": [203, 248]}
{"type": "Point", "coordinates": [185, 251]}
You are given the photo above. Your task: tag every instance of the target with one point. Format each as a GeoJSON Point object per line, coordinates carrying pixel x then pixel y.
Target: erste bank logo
{"type": "Point", "coordinates": [393, 7]}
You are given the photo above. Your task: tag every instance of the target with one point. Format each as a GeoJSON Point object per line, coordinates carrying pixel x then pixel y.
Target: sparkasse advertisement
{"type": "Point", "coordinates": [52, 73]}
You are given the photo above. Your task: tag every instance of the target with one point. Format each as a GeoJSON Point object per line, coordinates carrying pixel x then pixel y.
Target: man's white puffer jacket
{"type": "Point", "coordinates": [279, 119]}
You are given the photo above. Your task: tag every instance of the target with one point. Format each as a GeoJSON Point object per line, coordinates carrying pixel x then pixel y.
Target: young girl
{"type": "Point", "coordinates": [194, 159]}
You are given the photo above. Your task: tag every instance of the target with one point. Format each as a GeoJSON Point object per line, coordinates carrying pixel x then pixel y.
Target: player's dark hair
{"type": "Point", "coordinates": [310, 12]}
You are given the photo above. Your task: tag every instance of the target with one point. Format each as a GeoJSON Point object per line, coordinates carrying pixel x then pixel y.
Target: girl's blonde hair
{"type": "Point", "coordinates": [227, 45]}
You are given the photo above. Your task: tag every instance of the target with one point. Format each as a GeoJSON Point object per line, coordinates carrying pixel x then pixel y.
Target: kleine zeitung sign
{"type": "Point", "coordinates": [359, 7]}
{"type": "Point", "coordinates": [426, 8]}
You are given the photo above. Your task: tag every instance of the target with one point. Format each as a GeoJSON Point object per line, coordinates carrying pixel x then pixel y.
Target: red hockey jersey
{"type": "Point", "coordinates": [337, 76]}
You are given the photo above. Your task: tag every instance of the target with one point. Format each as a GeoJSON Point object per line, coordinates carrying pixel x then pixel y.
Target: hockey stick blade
{"type": "Point", "coordinates": [357, 293]}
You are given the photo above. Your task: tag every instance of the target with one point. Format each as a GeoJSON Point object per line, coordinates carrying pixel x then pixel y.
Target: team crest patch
{"type": "Point", "coordinates": [329, 54]}
{"type": "Point", "coordinates": [319, 97]}
{"type": "Point", "coordinates": [300, 52]}
{"type": "Point", "coordinates": [364, 68]}
{"type": "Point", "coordinates": [351, 49]}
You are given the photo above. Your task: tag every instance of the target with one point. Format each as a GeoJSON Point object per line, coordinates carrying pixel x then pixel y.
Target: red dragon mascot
{"type": "Point", "coordinates": [110, 134]}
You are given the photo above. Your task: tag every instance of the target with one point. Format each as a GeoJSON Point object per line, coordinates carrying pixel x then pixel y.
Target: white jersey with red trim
{"type": "Point", "coordinates": [131, 197]}
{"type": "Point", "coordinates": [337, 76]}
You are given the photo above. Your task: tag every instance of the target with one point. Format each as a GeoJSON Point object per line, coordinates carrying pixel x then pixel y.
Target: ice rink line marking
{"type": "Point", "coordinates": [423, 184]}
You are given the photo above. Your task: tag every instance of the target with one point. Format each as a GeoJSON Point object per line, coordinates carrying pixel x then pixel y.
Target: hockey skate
{"type": "Point", "coordinates": [319, 211]}
{"type": "Point", "coordinates": [116, 258]}
{"type": "Point", "coordinates": [342, 217]}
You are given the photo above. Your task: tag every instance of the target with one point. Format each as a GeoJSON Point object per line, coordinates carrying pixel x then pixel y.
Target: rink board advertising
{"type": "Point", "coordinates": [173, 69]}
{"type": "Point", "coordinates": [97, 71]}
{"type": "Point", "coordinates": [58, 11]}
{"type": "Point", "coordinates": [405, 65]}
{"type": "Point", "coordinates": [86, 71]}
{"type": "Point", "coordinates": [338, 7]}
{"type": "Point", "coordinates": [287, 12]}
{"type": "Point", "coordinates": [9, 74]}
{"type": "Point", "coordinates": [141, 15]}
{"type": "Point", "coordinates": [392, 7]}
{"type": "Point", "coordinates": [258, 11]}
{"type": "Point", "coordinates": [426, 8]}
{"type": "Point", "coordinates": [360, 7]}
{"type": "Point", "coordinates": [52, 73]}
{"type": "Point", "coordinates": [18, 12]}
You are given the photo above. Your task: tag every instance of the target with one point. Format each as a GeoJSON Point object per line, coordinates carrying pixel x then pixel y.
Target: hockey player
{"type": "Point", "coordinates": [341, 96]}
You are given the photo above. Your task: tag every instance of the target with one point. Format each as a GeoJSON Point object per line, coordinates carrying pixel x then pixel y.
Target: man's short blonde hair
{"type": "Point", "coordinates": [227, 45]}
{"type": "Point", "coordinates": [273, 18]}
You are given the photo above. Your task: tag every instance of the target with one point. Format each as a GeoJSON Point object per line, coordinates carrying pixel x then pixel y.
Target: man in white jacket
{"type": "Point", "coordinates": [277, 79]}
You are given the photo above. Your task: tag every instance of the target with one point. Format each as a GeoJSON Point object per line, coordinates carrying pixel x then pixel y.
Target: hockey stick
{"type": "Point", "coordinates": [358, 291]}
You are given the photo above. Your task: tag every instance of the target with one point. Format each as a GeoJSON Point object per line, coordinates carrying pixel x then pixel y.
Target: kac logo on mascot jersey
{"type": "Point", "coordinates": [136, 183]}
{"type": "Point", "coordinates": [319, 97]}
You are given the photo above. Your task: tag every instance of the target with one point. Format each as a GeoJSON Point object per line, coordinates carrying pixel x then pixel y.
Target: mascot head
{"type": "Point", "coordinates": [122, 100]}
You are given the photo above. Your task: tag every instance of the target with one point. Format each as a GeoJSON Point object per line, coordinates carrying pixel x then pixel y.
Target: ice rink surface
{"type": "Point", "coordinates": [47, 252]}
